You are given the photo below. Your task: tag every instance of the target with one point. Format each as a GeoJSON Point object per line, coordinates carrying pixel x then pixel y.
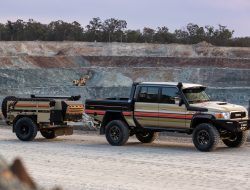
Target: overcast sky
{"type": "Point", "coordinates": [174, 14]}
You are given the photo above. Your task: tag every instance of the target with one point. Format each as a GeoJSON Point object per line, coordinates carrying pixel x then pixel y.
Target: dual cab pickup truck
{"type": "Point", "coordinates": [174, 107]}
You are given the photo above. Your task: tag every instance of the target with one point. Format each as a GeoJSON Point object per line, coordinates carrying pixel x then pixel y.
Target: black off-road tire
{"type": "Point", "coordinates": [117, 133]}
{"type": "Point", "coordinates": [237, 139]}
{"type": "Point", "coordinates": [146, 136]}
{"type": "Point", "coordinates": [206, 137]}
{"type": "Point", "coordinates": [48, 134]}
{"type": "Point", "coordinates": [26, 129]}
{"type": "Point", "coordinates": [4, 104]}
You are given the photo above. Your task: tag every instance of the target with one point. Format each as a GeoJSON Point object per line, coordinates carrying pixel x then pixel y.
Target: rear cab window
{"type": "Point", "coordinates": [148, 94]}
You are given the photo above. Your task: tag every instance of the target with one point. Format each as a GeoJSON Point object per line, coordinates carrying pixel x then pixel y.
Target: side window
{"type": "Point", "coordinates": [148, 94]}
{"type": "Point", "coordinates": [168, 95]}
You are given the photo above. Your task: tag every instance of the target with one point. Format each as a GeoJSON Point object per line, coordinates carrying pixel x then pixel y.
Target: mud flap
{"type": "Point", "coordinates": [64, 131]}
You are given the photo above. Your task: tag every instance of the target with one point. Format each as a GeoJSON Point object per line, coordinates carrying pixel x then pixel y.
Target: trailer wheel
{"type": "Point", "coordinates": [146, 136]}
{"type": "Point", "coordinates": [48, 134]}
{"type": "Point", "coordinates": [26, 129]}
{"type": "Point", "coordinates": [117, 133]}
{"type": "Point", "coordinates": [237, 140]}
{"type": "Point", "coordinates": [206, 137]}
{"type": "Point", "coordinates": [4, 104]}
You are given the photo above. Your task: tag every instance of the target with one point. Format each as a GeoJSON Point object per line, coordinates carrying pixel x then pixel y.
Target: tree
{"type": "Point", "coordinates": [35, 30]}
{"type": "Point", "coordinates": [222, 35]}
{"type": "Point", "coordinates": [94, 30]}
{"type": "Point", "coordinates": [2, 31]}
{"type": "Point", "coordinates": [60, 31]}
{"type": "Point", "coordinates": [133, 36]}
{"type": "Point", "coordinates": [11, 30]}
{"type": "Point", "coordinates": [181, 36]}
{"type": "Point", "coordinates": [163, 35]}
{"type": "Point", "coordinates": [148, 35]}
{"type": "Point", "coordinates": [113, 29]}
{"type": "Point", "coordinates": [240, 42]}
{"type": "Point", "coordinates": [196, 33]}
{"type": "Point", "coordinates": [209, 32]}
{"type": "Point", "coordinates": [76, 31]}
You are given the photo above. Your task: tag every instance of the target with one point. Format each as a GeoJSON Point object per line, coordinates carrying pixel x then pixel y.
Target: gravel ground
{"type": "Point", "coordinates": [86, 161]}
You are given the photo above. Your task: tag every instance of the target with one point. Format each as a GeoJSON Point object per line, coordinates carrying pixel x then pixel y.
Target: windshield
{"type": "Point", "coordinates": [196, 95]}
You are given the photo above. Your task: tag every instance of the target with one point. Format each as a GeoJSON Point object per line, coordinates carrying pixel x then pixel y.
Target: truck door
{"type": "Point", "coordinates": [170, 113]}
{"type": "Point", "coordinates": [147, 106]}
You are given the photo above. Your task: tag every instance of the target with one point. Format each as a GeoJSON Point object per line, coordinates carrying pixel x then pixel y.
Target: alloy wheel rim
{"type": "Point", "coordinates": [203, 137]}
{"type": "Point", "coordinates": [145, 134]}
{"type": "Point", "coordinates": [115, 133]}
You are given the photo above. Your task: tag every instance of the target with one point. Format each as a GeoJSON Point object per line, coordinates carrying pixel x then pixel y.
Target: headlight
{"type": "Point", "coordinates": [222, 115]}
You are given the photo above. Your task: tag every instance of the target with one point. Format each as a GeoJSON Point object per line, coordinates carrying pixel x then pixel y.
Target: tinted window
{"type": "Point", "coordinates": [148, 94]}
{"type": "Point", "coordinates": [168, 95]}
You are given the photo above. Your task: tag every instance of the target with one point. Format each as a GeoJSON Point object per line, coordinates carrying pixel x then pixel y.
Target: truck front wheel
{"type": "Point", "coordinates": [26, 129]}
{"type": "Point", "coordinates": [206, 137]}
{"type": "Point", "coordinates": [117, 133]}
{"type": "Point", "coordinates": [146, 136]}
{"type": "Point", "coordinates": [237, 139]}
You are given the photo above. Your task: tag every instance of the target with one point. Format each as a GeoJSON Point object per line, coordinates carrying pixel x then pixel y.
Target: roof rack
{"type": "Point", "coordinates": [56, 97]}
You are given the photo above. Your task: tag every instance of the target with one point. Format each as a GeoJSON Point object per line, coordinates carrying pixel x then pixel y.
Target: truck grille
{"type": "Point", "coordinates": [235, 115]}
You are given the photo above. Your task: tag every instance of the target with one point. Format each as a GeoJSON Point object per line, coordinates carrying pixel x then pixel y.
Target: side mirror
{"type": "Point", "coordinates": [177, 100]}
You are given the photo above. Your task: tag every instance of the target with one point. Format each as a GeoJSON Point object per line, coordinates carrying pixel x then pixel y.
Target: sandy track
{"type": "Point", "coordinates": [86, 161]}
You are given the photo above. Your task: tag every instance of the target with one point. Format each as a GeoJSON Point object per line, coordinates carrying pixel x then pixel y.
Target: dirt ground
{"type": "Point", "coordinates": [87, 161]}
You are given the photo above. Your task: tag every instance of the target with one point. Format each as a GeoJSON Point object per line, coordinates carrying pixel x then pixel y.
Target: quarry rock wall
{"type": "Point", "coordinates": [48, 68]}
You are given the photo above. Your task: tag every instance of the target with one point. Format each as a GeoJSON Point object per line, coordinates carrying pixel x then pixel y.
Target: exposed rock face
{"type": "Point", "coordinates": [50, 67]}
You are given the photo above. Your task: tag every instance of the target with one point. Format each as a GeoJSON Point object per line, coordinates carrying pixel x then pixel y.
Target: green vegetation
{"type": "Point", "coordinates": [115, 30]}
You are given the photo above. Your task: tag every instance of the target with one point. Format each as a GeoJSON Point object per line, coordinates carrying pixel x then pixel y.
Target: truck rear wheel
{"type": "Point", "coordinates": [237, 139]}
{"type": "Point", "coordinates": [48, 134]}
{"type": "Point", "coordinates": [26, 129]}
{"type": "Point", "coordinates": [206, 137]}
{"type": "Point", "coordinates": [146, 136]}
{"type": "Point", "coordinates": [117, 133]}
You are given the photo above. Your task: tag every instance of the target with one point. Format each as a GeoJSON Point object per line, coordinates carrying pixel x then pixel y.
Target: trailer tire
{"type": "Point", "coordinates": [117, 133]}
{"type": "Point", "coordinates": [4, 104]}
{"type": "Point", "coordinates": [48, 134]}
{"type": "Point", "coordinates": [26, 129]}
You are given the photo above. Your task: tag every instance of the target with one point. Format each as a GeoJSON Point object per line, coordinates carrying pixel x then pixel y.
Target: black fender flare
{"type": "Point", "coordinates": [109, 116]}
{"type": "Point", "coordinates": [201, 116]}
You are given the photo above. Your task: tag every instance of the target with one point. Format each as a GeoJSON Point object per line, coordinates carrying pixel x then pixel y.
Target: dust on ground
{"type": "Point", "coordinates": [87, 161]}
